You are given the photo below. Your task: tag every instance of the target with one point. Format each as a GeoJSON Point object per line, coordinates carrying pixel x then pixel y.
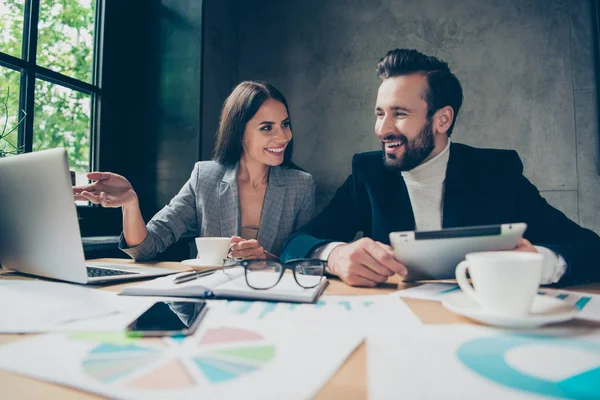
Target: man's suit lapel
{"type": "Point", "coordinates": [457, 190]}
{"type": "Point", "coordinates": [229, 204]}
{"type": "Point", "coordinates": [394, 211]}
{"type": "Point", "coordinates": [272, 209]}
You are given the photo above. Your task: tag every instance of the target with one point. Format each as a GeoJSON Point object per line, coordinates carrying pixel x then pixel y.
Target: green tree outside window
{"type": "Point", "coordinates": [65, 45]}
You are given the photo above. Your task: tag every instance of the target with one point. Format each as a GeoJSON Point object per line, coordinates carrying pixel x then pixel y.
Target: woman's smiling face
{"type": "Point", "coordinates": [267, 134]}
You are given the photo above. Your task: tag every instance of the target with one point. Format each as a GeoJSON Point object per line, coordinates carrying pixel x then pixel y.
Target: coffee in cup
{"type": "Point", "coordinates": [212, 250]}
{"type": "Point", "coordinates": [504, 282]}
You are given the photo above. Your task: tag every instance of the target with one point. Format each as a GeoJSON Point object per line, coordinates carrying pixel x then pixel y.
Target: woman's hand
{"type": "Point", "coordinates": [109, 190]}
{"type": "Point", "coordinates": [246, 249]}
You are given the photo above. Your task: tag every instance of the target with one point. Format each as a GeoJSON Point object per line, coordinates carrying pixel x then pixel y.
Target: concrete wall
{"type": "Point", "coordinates": [220, 63]}
{"type": "Point", "coordinates": [526, 67]}
{"type": "Point", "coordinates": [179, 58]}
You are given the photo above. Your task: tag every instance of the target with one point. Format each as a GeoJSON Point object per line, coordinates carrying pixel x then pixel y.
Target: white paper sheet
{"type": "Point", "coordinates": [127, 309]}
{"type": "Point", "coordinates": [358, 313]}
{"type": "Point", "coordinates": [469, 362]}
{"type": "Point", "coordinates": [249, 361]}
{"type": "Point", "coordinates": [589, 304]}
{"type": "Point", "coordinates": [38, 306]}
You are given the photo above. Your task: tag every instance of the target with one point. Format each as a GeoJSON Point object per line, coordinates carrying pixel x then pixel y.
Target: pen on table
{"type": "Point", "coordinates": [192, 275]}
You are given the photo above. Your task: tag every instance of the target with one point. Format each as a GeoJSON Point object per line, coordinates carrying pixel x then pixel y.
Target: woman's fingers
{"type": "Point", "coordinates": [105, 201]}
{"type": "Point", "coordinates": [236, 239]}
{"type": "Point", "coordinates": [256, 252]}
{"type": "Point", "coordinates": [79, 197]}
{"type": "Point", "coordinates": [99, 176]}
{"type": "Point", "coordinates": [90, 197]}
{"type": "Point", "coordinates": [80, 188]}
{"type": "Point", "coordinates": [247, 249]}
{"type": "Point", "coordinates": [260, 256]}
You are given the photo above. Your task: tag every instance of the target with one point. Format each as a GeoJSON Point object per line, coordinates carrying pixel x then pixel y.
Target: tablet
{"type": "Point", "coordinates": [435, 254]}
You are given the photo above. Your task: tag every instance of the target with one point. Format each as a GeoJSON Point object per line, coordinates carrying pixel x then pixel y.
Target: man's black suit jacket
{"type": "Point", "coordinates": [483, 186]}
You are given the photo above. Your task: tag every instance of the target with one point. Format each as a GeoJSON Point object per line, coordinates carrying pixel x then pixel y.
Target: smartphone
{"type": "Point", "coordinates": [169, 318]}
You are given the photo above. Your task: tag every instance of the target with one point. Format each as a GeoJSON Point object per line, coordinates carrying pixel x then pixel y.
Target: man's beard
{"type": "Point", "coordinates": [415, 151]}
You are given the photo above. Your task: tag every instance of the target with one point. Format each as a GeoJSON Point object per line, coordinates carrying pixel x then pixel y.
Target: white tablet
{"type": "Point", "coordinates": [435, 254]}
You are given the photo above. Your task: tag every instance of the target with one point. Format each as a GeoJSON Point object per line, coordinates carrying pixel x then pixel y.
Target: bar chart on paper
{"type": "Point", "coordinates": [221, 355]}
{"type": "Point", "coordinates": [262, 310]}
{"type": "Point", "coordinates": [576, 299]}
{"type": "Point", "coordinates": [356, 312]}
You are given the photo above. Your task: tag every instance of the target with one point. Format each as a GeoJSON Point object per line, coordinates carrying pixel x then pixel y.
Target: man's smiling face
{"type": "Point", "coordinates": [404, 131]}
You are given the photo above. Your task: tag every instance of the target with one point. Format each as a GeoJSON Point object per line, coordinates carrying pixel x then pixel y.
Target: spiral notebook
{"type": "Point", "coordinates": [227, 286]}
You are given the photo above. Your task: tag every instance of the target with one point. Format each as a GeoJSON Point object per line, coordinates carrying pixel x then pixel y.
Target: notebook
{"type": "Point", "coordinates": [227, 286]}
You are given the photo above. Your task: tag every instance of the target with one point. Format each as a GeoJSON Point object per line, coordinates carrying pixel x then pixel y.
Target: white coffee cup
{"type": "Point", "coordinates": [212, 250]}
{"type": "Point", "coordinates": [504, 282]}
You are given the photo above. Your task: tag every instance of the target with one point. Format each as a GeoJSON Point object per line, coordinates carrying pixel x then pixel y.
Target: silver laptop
{"type": "Point", "coordinates": [39, 230]}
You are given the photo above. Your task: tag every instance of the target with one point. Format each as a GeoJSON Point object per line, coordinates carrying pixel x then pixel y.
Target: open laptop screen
{"type": "Point", "coordinates": [39, 230]}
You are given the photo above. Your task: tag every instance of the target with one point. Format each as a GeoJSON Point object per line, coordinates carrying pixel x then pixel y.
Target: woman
{"type": "Point", "coordinates": [251, 192]}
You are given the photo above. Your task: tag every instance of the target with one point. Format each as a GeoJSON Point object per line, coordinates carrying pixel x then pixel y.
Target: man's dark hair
{"type": "Point", "coordinates": [444, 89]}
{"type": "Point", "coordinates": [239, 108]}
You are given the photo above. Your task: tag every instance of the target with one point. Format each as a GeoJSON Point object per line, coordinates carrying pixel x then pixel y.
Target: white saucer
{"type": "Point", "coordinates": [196, 263]}
{"type": "Point", "coordinates": [545, 310]}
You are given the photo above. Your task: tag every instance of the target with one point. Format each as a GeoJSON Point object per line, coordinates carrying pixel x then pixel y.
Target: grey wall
{"type": "Point", "coordinates": [526, 67]}
{"type": "Point", "coordinates": [179, 59]}
{"type": "Point", "coordinates": [220, 65]}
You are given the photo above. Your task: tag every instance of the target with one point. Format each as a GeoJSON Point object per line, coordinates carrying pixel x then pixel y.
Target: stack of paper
{"type": "Point", "coordinates": [37, 306]}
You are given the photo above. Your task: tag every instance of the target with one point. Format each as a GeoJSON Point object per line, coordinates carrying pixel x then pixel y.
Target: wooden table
{"type": "Point", "coordinates": [350, 381]}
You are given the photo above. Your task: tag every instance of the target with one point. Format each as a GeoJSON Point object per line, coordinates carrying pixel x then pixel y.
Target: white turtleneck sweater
{"type": "Point", "coordinates": [425, 185]}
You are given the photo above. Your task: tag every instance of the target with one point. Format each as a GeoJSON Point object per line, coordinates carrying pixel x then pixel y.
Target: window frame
{"type": "Point", "coordinates": [30, 71]}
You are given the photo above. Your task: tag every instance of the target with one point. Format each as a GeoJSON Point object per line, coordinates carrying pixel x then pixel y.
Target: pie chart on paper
{"type": "Point", "coordinates": [221, 355]}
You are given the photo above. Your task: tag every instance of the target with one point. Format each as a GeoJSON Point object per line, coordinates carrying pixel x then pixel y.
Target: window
{"type": "Point", "coordinates": [49, 77]}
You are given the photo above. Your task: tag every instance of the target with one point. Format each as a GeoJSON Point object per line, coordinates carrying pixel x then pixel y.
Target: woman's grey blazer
{"type": "Point", "coordinates": [209, 205]}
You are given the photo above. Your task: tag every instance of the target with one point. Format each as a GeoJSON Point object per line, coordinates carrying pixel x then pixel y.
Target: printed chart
{"type": "Point", "coordinates": [263, 309]}
{"type": "Point", "coordinates": [473, 362]}
{"type": "Point", "coordinates": [506, 360]}
{"type": "Point", "coordinates": [249, 360]}
{"type": "Point", "coordinates": [358, 313]}
{"type": "Point", "coordinates": [429, 291]}
{"type": "Point", "coordinates": [576, 299]}
{"type": "Point", "coordinates": [221, 355]}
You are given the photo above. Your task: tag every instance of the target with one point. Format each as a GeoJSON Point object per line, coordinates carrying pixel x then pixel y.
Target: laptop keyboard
{"type": "Point", "coordinates": [94, 272]}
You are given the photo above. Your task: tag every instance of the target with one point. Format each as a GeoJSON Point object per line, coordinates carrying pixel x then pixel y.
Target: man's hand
{"type": "Point", "coordinates": [246, 249]}
{"type": "Point", "coordinates": [525, 245]}
{"type": "Point", "coordinates": [364, 262]}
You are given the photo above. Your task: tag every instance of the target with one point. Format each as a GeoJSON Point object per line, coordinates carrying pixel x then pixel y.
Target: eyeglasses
{"type": "Point", "coordinates": [264, 274]}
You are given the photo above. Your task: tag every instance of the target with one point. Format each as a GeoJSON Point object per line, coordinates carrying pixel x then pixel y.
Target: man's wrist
{"type": "Point", "coordinates": [332, 255]}
{"type": "Point", "coordinates": [324, 252]}
{"type": "Point", "coordinates": [554, 265]}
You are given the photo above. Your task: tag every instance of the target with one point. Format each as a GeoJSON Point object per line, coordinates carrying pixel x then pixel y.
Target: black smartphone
{"type": "Point", "coordinates": [168, 318]}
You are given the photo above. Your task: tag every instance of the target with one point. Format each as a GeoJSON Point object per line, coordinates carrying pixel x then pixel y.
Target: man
{"type": "Point", "coordinates": [421, 181]}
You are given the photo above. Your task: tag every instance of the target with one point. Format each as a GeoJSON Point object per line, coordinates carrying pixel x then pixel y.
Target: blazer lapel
{"type": "Point", "coordinates": [229, 204]}
{"type": "Point", "coordinates": [272, 209]}
{"type": "Point", "coordinates": [457, 190]}
{"type": "Point", "coordinates": [392, 209]}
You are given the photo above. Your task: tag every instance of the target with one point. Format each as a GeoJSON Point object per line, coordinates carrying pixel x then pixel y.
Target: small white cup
{"type": "Point", "coordinates": [504, 282]}
{"type": "Point", "coordinates": [212, 250]}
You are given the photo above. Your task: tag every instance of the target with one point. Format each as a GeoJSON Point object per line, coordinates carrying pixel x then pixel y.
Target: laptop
{"type": "Point", "coordinates": [39, 230]}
